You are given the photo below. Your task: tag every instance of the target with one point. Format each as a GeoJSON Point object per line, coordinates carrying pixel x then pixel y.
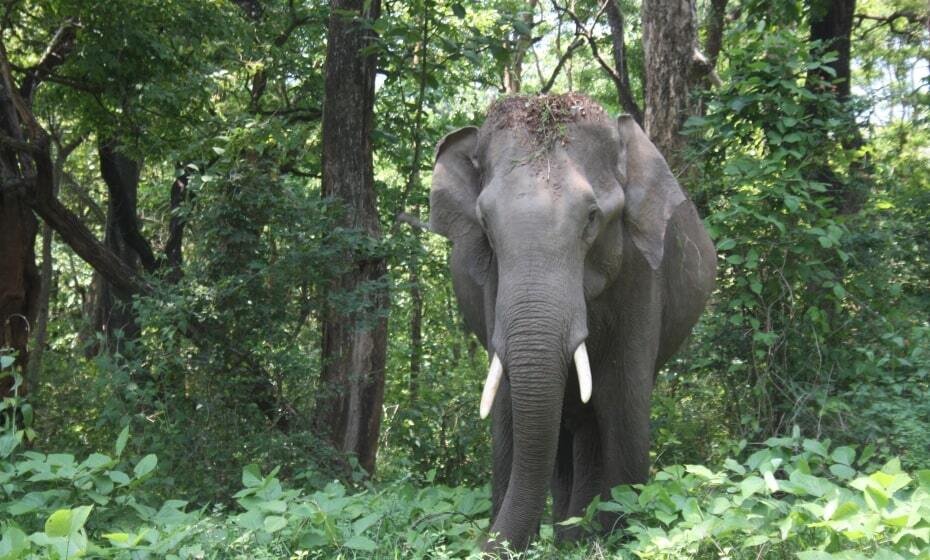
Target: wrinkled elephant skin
{"type": "Point", "coordinates": [581, 265]}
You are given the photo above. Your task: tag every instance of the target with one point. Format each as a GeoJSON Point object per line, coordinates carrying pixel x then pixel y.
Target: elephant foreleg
{"type": "Point", "coordinates": [587, 475]}
{"type": "Point", "coordinates": [624, 430]}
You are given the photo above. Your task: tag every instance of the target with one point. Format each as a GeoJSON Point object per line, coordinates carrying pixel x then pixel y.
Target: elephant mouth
{"type": "Point", "coordinates": [496, 373]}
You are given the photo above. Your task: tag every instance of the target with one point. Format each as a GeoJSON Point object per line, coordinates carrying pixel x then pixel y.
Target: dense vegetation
{"type": "Point", "coordinates": [175, 400]}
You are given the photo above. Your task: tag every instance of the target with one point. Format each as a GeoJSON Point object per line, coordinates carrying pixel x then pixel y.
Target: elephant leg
{"type": "Point", "coordinates": [562, 479]}
{"type": "Point", "coordinates": [624, 418]}
{"type": "Point", "coordinates": [587, 469]}
{"type": "Point", "coordinates": [502, 442]}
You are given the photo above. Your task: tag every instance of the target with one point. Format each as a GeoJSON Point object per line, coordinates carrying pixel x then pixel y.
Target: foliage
{"type": "Point", "coordinates": [806, 327]}
{"type": "Point", "coordinates": [793, 497]}
{"type": "Point", "coordinates": [818, 206]}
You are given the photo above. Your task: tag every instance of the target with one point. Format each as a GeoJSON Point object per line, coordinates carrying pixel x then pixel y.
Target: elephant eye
{"type": "Point", "coordinates": [589, 227]}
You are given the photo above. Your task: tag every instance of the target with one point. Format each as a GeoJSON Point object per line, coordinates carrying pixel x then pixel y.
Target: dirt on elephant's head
{"type": "Point", "coordinates": [544, 117]}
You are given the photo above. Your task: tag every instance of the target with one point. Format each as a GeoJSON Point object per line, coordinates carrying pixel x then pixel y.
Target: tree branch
{"type": "Point", "coordinates": [622, 79]}
{"type": "Point", "coordinates": [558, 67]}
{"type": "Point", "coordinates": [61, 45]}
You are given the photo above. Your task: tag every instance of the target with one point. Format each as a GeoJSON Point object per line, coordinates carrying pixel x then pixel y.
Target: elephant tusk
{"type": "Point", "coordinates": [490, 386]}
{"type": "Point", "coordinates": [584, 372]}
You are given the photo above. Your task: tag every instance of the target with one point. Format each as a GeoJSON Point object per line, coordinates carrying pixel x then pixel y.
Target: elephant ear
{"type": "Point", "coordinates": [453, 200]}
{"type": "Point", "coordinates": [652, 193]}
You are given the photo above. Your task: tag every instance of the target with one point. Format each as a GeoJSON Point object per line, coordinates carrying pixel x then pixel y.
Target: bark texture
{"type": "Point", "coordinates": [622, 77]}
{"type": "Point", "coordinates": [354, 343]}
{"type": "Point", "coordinates": [669, 38]}
{"type": "Point", "coordinates": [19, 277]}
{"type": "Point", "coordinates": [113, 310]}
{"type": "Point", "coordinates": [716, 21]}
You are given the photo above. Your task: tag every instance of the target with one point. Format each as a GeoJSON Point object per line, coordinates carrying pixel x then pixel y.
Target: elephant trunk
{"type": "Point", "coordinates": [536, 334]}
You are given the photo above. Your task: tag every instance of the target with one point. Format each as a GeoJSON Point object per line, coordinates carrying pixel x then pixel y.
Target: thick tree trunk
{"type": "Point", "coordinates": [831, 25]}
{"type": "Point", "coordinates": [113, 312]}
{"type": "Point", "coordinates": [348, 409]}
{"type": "Point", "coordinates": [19, 277]}
{"type": "Point", "coordinates": [669, 38]}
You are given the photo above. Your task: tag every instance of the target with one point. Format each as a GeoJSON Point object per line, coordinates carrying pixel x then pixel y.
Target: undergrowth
{"type": "Point", "coordinates": [791, 498]}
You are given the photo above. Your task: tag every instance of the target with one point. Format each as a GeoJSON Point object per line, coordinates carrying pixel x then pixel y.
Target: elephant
{"type": "Point", "coordinates": [581, 265]}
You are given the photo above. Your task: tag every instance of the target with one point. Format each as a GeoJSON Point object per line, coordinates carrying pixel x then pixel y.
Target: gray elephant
{"type": "Point", "coordinates": [581, 265]}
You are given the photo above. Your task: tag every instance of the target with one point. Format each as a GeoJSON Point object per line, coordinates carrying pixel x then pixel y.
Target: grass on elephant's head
{"type": "Point", "coordinates": [544, 117]}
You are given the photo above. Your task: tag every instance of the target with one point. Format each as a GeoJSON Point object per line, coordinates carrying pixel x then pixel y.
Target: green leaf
{"type": "Point", "coordinates": [843, 455]}
{"type": "Point", "coordinates": [815, 447]}
{"type": "Point", "coordinates": [96, 460]}
{"type": "Point", "coordinates": [121, 441]}
{"type": "Point", "coordinates": [6, 361]}
{"type": "Point", "coordinates": [359, 526]}
{"type": "Point", "coordinates": [145, 466]}
{"type": "Point", "coordinates": [273, 506]}
{"type": "Point", "coordinates": [458, 10]}
{"type": "Point", "coordinates": [14, 544]}
{"type": "Point", "coordinates": [700, 471]}
{"type": "Point", "coordinates": [79, 517]}
{"type": "Point", "coordinates": [842, 472]}
{"type": "Point", "coordinates": [252, 520]}
{"type": "Point", "coordinates": [274, 523]}
{"type": "Point", "coordinates": [119, 477]}
{"type": "Point", "coordinates": [66, 522]}
{"type": "Point", "coordinates": [58, 523]}
{"type": "Point", "coordinates": [923, 478]}
{"type": "Point", "coordinates": [750, 485]}
{"type": "Point", "coordinates": [755, 540]}
{"type": "Point", "coordinates": [358, 542]}
{"type": "Point", "coordinates": [251, 476]}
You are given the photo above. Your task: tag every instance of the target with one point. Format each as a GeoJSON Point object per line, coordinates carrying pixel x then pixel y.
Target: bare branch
{"type": "Point", "coordinates": [558, 67]}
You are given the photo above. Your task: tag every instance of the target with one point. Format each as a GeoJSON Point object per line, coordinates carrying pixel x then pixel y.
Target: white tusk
{"type": "Point", "coordinates": [490, 386]}
{"type": "Point", "coordinates": [584, 372]}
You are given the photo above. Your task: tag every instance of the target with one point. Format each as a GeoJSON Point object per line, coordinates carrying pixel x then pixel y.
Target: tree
{"type": "Point", "coordinates": [669, 35]}
{"type": "Point", "coordinates": [348, 409]}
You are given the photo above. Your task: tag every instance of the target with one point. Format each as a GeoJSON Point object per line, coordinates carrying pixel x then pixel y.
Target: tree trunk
{"type": "Point", "coordinates": [416, 324]}
{"type": "Point", "coordinates": [622, 79]}
{"type": "Point", "coordinates": [113, 312]}
{"type": "Point", "coordinates": [513, 72]}
{"type": "Point", "coordinates": [831, 25]}
{"type": "Point", "coordinates": [19, 277]}
{"type": "Point", "coordinates": [669, 38]}
{"type": "Point", "coordinates": [716, 19]}
{"type": "Point", "coordinates": [349, 405]}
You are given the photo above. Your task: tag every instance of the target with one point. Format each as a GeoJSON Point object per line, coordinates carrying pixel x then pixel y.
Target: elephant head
{"type": "Point", "coordinates": [543, 205]}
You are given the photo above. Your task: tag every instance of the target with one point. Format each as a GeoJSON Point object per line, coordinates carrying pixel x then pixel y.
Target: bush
{"type": "Point", "coordinates": [791, 498]}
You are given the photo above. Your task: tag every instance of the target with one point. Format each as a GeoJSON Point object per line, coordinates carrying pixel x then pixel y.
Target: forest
{"type": "Point", "coordinates": [228, 325]}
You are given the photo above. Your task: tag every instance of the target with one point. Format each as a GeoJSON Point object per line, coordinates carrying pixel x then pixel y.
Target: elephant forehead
{"type": "Point", "coordinates": [550, 177]}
